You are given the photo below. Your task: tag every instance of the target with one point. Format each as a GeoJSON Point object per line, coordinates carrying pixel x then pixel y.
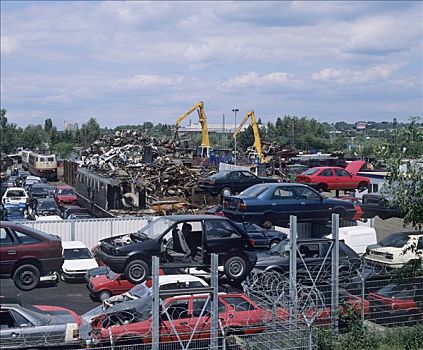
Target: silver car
{"type": "Point", "coordinates": [24, 326]}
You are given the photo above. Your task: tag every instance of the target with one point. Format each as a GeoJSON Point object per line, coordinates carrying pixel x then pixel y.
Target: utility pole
{"type": "Point", "coordinates": [235, 110]}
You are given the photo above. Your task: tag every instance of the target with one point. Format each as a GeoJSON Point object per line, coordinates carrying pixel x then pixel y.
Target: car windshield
{"type": "Point", "coordinates": [15, 193]}
{"type": "Point", "coordinates": [38, 189]}
{"type": "Point", "coordinates": [139, 290]}
{"type": "Point", "coordinates": [249, 227]}
{"type": "Point", "coordinates": [254, 191]}
{"type": "Point", "coordinates": [111, 275]}
{"type": "Point", "coordinates": [47, 205]}
{"type": "Point", "coordinates": [279, 248]}
{"type": "Point", "coordinates": [77, 253]}
{"type": "Point", "coordinates": [15, 211]}
{"type": "Point", "coordinates": [394, 240]}
{"type": "Point", "coordinates": [66, 192]}
{"type": "Point", "coordinates": [310, 171]}
{"type": "Point", "coordinates": [219, 175]}
{"type": "Point", "coordinates": [155, 228]}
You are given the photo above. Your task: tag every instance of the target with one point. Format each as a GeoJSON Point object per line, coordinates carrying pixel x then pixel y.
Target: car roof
{"type": "Point", "coordinates": [15, 189]}
{"type": "Point", "coordinates": [164, 279]}
{"type": "Point", "coordinates": [62, 187]}
{"type": "Point", "coordinates": [73, 244]}
{"type": "Point", "coordinates": [40, 200]}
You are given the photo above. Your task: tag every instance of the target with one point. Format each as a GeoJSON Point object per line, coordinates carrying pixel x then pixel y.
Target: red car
{"type": "Point", "coordinates": [335, 178]}
{"type": "Point", "coordinates": [397, 302]}
{"type": "Point", "coordinates": [357, 206]}
{"type": "Point", "coordinates": [238, 314]}
{"type": "Point", "coordinates": [65, 195]}
{"type": "Point", "coordinates": [110, 283]}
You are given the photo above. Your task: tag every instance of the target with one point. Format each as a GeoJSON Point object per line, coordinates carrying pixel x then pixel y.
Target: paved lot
{"type": "Point", "coordinates": [74, 296]}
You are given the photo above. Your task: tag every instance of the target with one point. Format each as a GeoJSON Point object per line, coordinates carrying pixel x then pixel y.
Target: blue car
{"type": "Point", "coordinates": [272, 204]}
{"type": "Point", "coordinates": [14, 212]}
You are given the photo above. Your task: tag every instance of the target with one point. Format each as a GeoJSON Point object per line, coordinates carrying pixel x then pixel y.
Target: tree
{"type": "Point", "coordinates": [48, 125]}
{"type": "Point", "coordinates": [33, 137]}
{"type": "Point", "coordinates": [89, 132]}
{"type": "Point", "coordinates": [10, 134]}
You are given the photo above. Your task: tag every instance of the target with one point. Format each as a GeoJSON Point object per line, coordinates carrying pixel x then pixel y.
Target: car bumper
{"type": "Point", "coordinates": [241, 216]}
{"type": "Point", "coordinates": [116, 263]}
{"type": "Point", "coordinates": [51, 264]}
{"type": "Point", "coordinates": [384, 262]}
{"type": "Point", "coordinates": [74, 275]}
{"type": "Point", "coordinates": [209, 188]}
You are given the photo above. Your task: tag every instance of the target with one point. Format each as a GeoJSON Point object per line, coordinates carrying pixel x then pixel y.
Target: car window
{"type": "Point", "coordinates": [326, 172]}
{"type": "Point", "coordinates": [15, 193]}
{"type": "Point", "coordinates": [283, 193]}
{"type": "Point", "coordinates": [25, 239]}
{"type": "Point", "coordinates": [178, 309]}
{"type": "Point", "coordinates": [324, 247]}
{"type": "Point", "coordinates": [310, 171]}
{"type": "Point", "coordinates": [239, 304]}
{"type": "Point", "coordinates": [308, 250]}
{"type": "Point", "coordinates": [394, 240]}
{"type": "Point", "coordinates": [77, 253]}
{"type": "Point", "coordinates": [236, 175]}
{"type": "Point", "coordinates": [218, 229]}
{"type": "Point", "coordinates": [254, 191]}
{"type": "Point", "coordinates": [5, 237]}
{"type": "Point", "coordinates": [198, 304]}
{"type": "Point", "coordinates": [6, 320]}
{"type": "Point", "coordinates": [306, 193]}
{"type": "Point", "coordinates": [19, 319]}
{"type": "Point", "coordinates": [420, 243]}
{"type": "Point", "coordinates": [342, 172]}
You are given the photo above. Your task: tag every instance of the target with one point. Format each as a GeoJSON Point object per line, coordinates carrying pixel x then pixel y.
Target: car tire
{"type": "Point", "coordinates": [26, 277]}
{"type": "Point", "coordinates": [226, 191]}
{"type": "Point", "coordinates": [104, 294]}
{"type": "Point", "coordinates": [137, 271]}
{"type": "Point", "coordinates": [362, 186]}
{"type": "Point", "coordinates": [236, 268]}
{"type": "Point", "coordinates": [322, 187]}
{"type": "Point", "coordinates": [62, 277]}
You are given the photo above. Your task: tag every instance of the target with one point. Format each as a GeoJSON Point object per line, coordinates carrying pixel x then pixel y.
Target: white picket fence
{"type": "Point", "coordinates": [89, 231]}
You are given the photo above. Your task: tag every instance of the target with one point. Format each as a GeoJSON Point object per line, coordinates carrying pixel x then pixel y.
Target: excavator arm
{"type": "Point", "coordinates": [199, 107]}
{"type": "Point", "coordinates": [257, 140]}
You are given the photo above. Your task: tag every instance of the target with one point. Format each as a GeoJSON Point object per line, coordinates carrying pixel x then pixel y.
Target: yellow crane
{"type": "Point", "coordinates": [204, 149]}
{"type": "Point", "coordinates": [257, 141]}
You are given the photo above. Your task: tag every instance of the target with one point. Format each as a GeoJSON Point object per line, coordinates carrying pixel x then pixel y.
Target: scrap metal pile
{"type": "Point", "coordinates": [166, 179]}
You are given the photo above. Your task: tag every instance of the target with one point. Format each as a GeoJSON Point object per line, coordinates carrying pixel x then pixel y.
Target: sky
{"type": "Point", "coordinates": [131, 62]}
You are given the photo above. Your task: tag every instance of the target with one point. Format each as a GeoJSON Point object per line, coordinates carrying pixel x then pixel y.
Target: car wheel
{"type": "Point", "coordinates": [322, 188]}
{"type": "Point", "coordinates": [26, 277]}
{"type": "Point", "coordinates": [273, 243]}
{"type": "Point", "coordinates": [137, 271]}
{"type": "Point", "coordinates": [236, 268]}
{"type": "Point", "coordinates": [62, 277]}
{"type": "Point", "coordinates": [362, 186]}
{"type": "Point", "coordinates": [226, 191]}
{"type": "Point", "coordinates": [104, 294]}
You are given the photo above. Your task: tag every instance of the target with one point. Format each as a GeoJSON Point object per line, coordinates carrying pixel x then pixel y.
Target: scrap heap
{"type": "Point", "coordinates": [155, 163]}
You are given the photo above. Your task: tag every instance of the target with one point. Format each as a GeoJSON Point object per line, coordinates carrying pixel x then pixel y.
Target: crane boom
{"type": "Point", "coordinates": [257, 140]}
{"type": "Point", "coordinates": [202, 119]}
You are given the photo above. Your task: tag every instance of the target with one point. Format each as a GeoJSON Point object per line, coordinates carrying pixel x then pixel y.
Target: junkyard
{"type": "Point", "coordinates": [138, 212]}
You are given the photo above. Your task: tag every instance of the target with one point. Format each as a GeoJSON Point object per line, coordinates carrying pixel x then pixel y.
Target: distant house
{"type": "Point", "coordinates": [360, 125]}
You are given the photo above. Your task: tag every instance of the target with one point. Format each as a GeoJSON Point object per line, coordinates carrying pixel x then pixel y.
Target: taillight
{"type": "Point", "coordinates": [250, 243]}
{"type": "Point", "coordinates": [395, 306]}
{"type": "Point", "coordinates": [242, 206]}
{"type": "Point", "coordinates": [225, 204]}
{"type": "Point", "coordinates": [75, 333]}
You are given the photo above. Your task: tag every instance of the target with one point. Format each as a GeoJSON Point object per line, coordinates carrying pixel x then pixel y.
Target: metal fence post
{"type": "Point", "coordinates": [214, 344]}
{"type": "Point", "coordinates": [293, 270]}
{"type": "Point", "coordinates": [111, 228]}
{"type": "Point", "coordinates": [72, 229]}
{"type": "Point", "coordinates": [156, 304]}
{"type": "Point", "coordinates": [335, 273]}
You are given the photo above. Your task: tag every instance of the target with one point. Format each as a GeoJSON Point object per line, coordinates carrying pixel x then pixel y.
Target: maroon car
{"type": "Point", "coordinates": [65, 195]}
{"type": "Point", "coordinates": [26, 254]}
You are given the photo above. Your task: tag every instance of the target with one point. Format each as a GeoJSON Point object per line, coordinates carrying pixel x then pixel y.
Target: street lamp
{"type": "Point", "coordinates": [235, 110]}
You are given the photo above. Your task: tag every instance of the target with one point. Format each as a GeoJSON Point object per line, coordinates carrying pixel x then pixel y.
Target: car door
{"type": "Point", "coordinates": [8, 252]}
{"type": "Point", "coordinates": [327, 176]}
{"type": "Point", "coordinates": [10, 334]}
{"type": "Point", "coordinates": [26, 244]}
{"type": "Point", "coordinates": [311, 206]}
{"type": "Point", "coordinates": [344, 180]}
{"type": "Point", "coordinates": [176, 318]}
{"type": "Point", "coordinates": [235, 181]}
{"type": "Point", "coordinates": [201, 314]}
{"type": "Point", "coordinates": [282, 204]}
{"type": "Point", "coordinates": [221, 238]}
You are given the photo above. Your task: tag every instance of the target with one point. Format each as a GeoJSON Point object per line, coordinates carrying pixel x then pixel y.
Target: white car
{"type": "Point", "coordinates": [78, 260]}
{"type": "Point", "coordinates": [166, 282]}
{"type": "Point", "coordinates": [49, 218]}
{"type": "Point", "coordinates": [16, 196]}
{"type": "Point", "coordinates": [397, 249]}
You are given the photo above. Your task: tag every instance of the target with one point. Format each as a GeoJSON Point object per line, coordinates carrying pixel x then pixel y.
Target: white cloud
{"type": "Point", "coordinates": [346, 76]}
{"type": "Point", "coordinates": [253, 79]}
{"type": "Point", "coordinates": [148, 80]}
{"type": "Point", "coordinates": [8, 45]}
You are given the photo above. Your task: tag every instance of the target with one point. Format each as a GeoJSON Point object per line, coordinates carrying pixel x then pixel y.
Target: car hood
{"type": "Point", "coordinates": [82, 264]}
{"type": "Point", "coordinates": [98, 271]}
{"type": "Point", "coordinates": [100, 280]}
{"type": "Point", "coordinates": [267, 259]}
{"type": "Point", "coordinates": [355, 166]}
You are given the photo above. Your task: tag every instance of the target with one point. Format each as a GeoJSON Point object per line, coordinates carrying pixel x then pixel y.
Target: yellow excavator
{"type": "Point", "coordinates": [204, 150]}
{"type": "Point", "coordinates": [257, 141]}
